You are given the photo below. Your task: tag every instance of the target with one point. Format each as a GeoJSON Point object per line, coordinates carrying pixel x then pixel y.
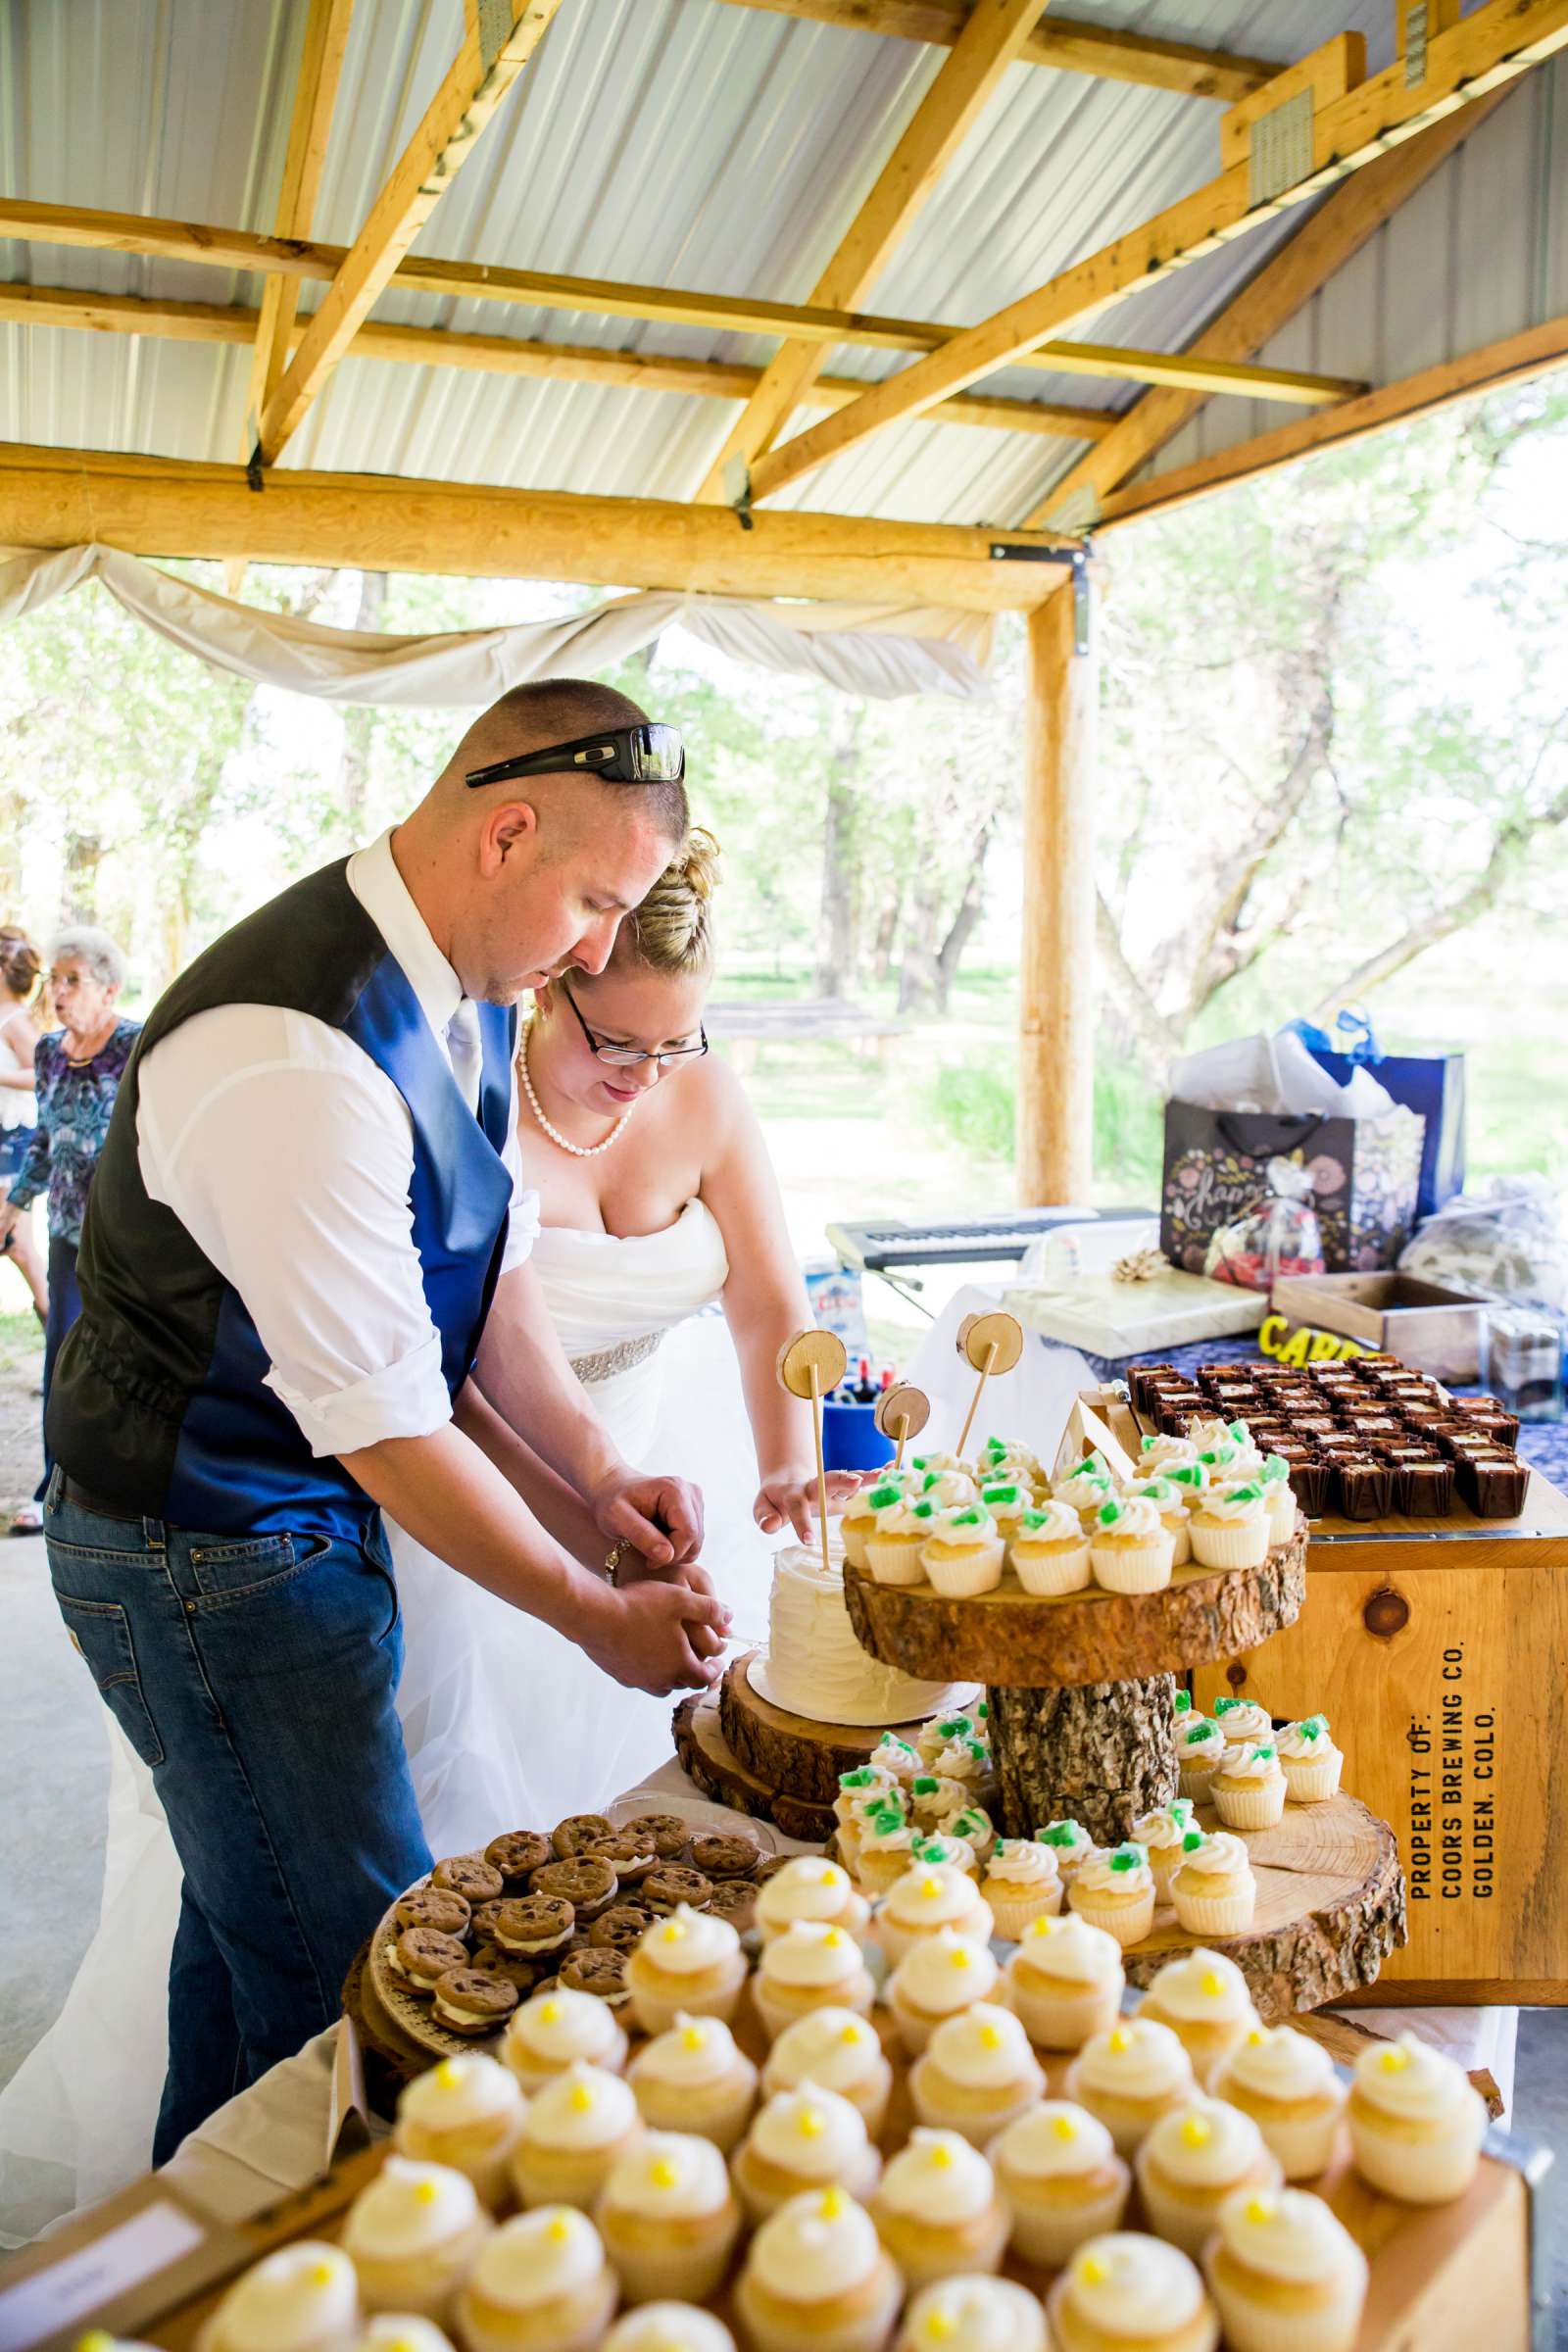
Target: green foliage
{"type": "Point", "coordinates": [975, 1105]}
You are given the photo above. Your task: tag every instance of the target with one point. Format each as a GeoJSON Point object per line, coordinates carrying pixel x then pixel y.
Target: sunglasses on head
{"type": "Point", "coordinates": [647, 754]}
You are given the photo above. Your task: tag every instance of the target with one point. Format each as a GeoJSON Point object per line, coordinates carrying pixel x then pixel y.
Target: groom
{"type": "Point", "coordinates": [306, 1248]}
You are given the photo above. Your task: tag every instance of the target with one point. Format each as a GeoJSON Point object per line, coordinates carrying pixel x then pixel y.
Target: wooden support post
{"type": "Point", "coordinates": [1056, 974]}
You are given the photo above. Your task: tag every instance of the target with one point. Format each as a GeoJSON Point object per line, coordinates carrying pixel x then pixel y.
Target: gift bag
{"type": "Point", "coordinates": [1363, 1174]}
{"type": "Point", "coordinates": [1430, 1084]}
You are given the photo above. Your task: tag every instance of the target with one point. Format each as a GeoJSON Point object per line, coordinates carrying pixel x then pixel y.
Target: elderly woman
{"type": "Point", "coordinates": [77, 1075]}
{"type": "Point", "coordinates": [21, 996]}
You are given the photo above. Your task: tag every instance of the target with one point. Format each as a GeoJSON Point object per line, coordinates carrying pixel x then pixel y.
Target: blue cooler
{"type": "Point", "coordinates": [852, 1439]}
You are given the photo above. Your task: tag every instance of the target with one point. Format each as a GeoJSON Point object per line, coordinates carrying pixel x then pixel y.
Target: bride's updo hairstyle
{"type": "Point", "coordinates": [672, 929]}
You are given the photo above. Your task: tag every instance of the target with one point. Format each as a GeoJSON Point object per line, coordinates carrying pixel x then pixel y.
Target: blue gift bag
{"type": "Point", "coordinates": [1431, 1083]}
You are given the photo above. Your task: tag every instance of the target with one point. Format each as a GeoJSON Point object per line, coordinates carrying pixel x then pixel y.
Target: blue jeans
{"type": "Point", "coordinates": [257, 1679]}
{"type": "Point", "coordinates": [64, 1305]}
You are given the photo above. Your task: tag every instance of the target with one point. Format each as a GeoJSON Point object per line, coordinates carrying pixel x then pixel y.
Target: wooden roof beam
{"type": "Point", "coordinates": [1481, 53]}
{"type": "Point", "coordinates": [1060, 41]}
{"type": "Point", "coordinates": [474, 88]}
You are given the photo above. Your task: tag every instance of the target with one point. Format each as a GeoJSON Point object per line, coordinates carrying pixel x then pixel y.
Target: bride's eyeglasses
{"type": "Point", "coordinates": [630, 1058]}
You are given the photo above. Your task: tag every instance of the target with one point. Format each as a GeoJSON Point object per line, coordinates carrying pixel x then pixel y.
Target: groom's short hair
{"type": "Point", "coordinates": [526, 718]}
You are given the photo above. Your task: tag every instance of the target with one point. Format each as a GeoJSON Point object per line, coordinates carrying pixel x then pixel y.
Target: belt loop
{"type": "Point", "coordinates": [52, 1492]}
{"type": "Point", "coordinates": [154, 1535]}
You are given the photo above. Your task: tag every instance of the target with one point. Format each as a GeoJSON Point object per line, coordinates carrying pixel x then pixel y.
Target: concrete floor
{"type": "Point", "coordinates": [54, 1770]}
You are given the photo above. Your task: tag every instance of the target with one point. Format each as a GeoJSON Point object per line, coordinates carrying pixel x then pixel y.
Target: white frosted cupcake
{"type": "Point", "coordinates": [1243, 1721]}
{"type": "Point", "coordinates": [413, 2235]}
{"type": "Point", "coordinates": [964, 1552]}
{"type": "Point", "coordinates": [931, 1896]}
{"type": "Point", "coordinates": [799, 2139]}
{"type": "Point", "coordinates": [949, 1487]}
{"type": "Point", "coordinates": [937, 2211]}
{"type": "Point", "coordinates": [811, 1966]}
{"type": "Point", "coordinates": [1274, 1478]}
{"type": "Point", "coordinates": [942, 1974]}
{"type": "Point", "coordinates": [554, 2029]}
{"type": "Point", "coordinates": [810, 1888]}
{"type": "Point", "coordinates": [1289, 2086]}
{"type": "Point", "coordinates": [694, 2078]}
{"type": "Point", "coordinates": [1130, 1550]}
{"type": "Point", "coordinates": [977, 2074]}
{"type": "Point", "coordinates": [1114, 1890]}
{"type": "Point", "coordinates": [1071, 1844]}
{"type": "Point", "coordinates": [869, 1784]}
{"type": "Point", "coordinates": [1157, 1454]}
{"type": "Point", "coordinates": [1287, 2274]}
{"type": "Point", "coordinates": [1127, 2290]}
{"type": "Point", "coordinates": [1160, 1833]}
{"type": "Point", "coordinates": [1229, 1527]}
{"type": "Point", "coordinates": [858, 1518]}
{"type": "Point", "coordinates": [816, 2279]}
{"type": "Point", "coordinates": [1191, 2159]}
{"type": "Point", "coordinates": [1170, 1502]}
{"type": "Point", "coordinates": [897, 1539]}
{"type": "Point", "coordinates": [1006, 1497]}
{"type": "Point", "coordinates": [575, 2129]}
{"type": "Point", "coordinates": [1200, 1746]}
{"type": "Point", "coordinates": [388, 2332]}
{"type": "Point", "coordinates": [1084, 1487]}
{"type": "Point", "coordinates": [964, 1756]}
{"type": "Point", "coordinates": [1130, 2077]}
{"type": "Point", "coordinates": [690, 1963]}
{"type": "Point", "coordinates": [1058, 2171]}
{"type": "Point", "coordinates": [1021, 1884]}
{"type": "Point", "coordinates": [540, 2284]}
{"type": "Point", "coordinates": [900, 1758]}
{"type": "Point", "coordinates": [668, 2328]}
{"type": "Point", "coordinates": [304, 2298]}
{"type": "Point", "coordinates": [467, 2112]}
{"type": "Point", "coordinates": [1066, 1982]}
{"type": "Point", "coordinates": [1416, 2122]}
{"type": "Point", "coordinates": [975, 1829]}
{"type": "Point", "coordinates": [886, 1847]}
{"type": "Point", "coordinates": [837, 2051]}
{"type": "Point", "coordinates": [668, 2219]}
{"type": "Point", "coordinates": [941, 1732]}
{"type": "Point", "coordinates": [934, 1799]}
{"type": "Point", "coordinates": [1247, 1791]}
{"type": "Point", "coordinates": [1207, 2004]}
{"type": "Point", "coordinates": [1309, 1760]}
{"type": "Point", "coordinates": [1212, 1885]}
{"type": "Point", "coordinates": [941, 1853]}
{"type": "Point", "coordinates": [1047, 1550]}
{"type": "Point", "coordinates": [973, 2313]}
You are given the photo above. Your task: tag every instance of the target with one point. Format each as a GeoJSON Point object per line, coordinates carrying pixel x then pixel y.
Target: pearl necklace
{"type": "Point", "coordinates": [577, 1150]}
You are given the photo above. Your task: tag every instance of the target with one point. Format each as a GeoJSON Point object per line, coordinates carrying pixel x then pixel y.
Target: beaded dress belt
{"type": "Point", "coordinates": [591, 1369]}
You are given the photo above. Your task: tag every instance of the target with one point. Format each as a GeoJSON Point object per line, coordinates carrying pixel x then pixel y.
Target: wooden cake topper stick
{"type": "Point", "coordinates": [989, 1343]}
{"type": "Point", "coordinates": [900, 1414]}
{"type": "Point", "coordinates": [811, 1364]}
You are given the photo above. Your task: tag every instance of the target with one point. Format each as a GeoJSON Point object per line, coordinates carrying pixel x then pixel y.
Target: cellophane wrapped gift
{"type": "Point", "coordinates": [1280, 1236]}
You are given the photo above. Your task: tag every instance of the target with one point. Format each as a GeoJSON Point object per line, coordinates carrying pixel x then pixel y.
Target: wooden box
{"type": "Point", "coordinates": [1432, 1328]}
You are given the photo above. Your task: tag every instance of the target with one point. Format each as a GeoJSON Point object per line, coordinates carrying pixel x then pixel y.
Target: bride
{"type": "Point", "coordinates": [667, 1268]}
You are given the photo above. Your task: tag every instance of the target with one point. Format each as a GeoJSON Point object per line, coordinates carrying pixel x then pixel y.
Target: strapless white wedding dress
{"type": "Point", "coordinates": [507, 1724]}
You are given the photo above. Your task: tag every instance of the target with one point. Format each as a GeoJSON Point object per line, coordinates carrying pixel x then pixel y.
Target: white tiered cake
{"type": "Point", "coordinates": [814, 1666]}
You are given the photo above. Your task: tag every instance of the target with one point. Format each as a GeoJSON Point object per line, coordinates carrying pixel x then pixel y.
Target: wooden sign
{"type": "Point", "coordinates": [901, 1413]}
{"type": "Point", "coordinates": [809, 1367]}
{"type": "Point", "coordinates": [989, 1343]}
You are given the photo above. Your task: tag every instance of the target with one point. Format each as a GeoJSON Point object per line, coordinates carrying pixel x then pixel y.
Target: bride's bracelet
{"type": "Point", "coordinates": [612, 1558]}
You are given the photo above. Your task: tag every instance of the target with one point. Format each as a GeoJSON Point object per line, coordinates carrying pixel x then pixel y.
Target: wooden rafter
{"type": "Point", "coordinates": [1060, 41]}
{"type": "Point", "coordinates": [992, 38]}
{"type": "Point", "coordinates": [1504, 39]}
{"type": "Point", "coordinates": [387, 523]}
{"type": "Point", "coordinates": [469, 281]}
{"type": "Point", "coordinates": [1338, 229]}
{"type": "Point", "coordinates": [508, 355]}
{"type": "Point", "coordinates": [473, 89]}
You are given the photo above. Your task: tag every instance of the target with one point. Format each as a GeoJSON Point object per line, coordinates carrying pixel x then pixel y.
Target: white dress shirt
{"type": "Point", "coordinates": [288, 1154]}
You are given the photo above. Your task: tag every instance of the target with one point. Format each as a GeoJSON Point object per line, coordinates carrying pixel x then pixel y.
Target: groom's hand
{"type": "Point", "coordinates": [708, 1641]}
{"type": "Point", "coordinates": [662, 1517]}
{"type": "Point", "coordinates": [645, 1637]}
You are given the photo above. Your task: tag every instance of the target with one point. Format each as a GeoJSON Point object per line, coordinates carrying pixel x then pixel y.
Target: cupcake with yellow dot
{"type": "Point", "coordinates": [1191, 2159]}
{"type": "Point", "coordinates": [1021, 1884]}
{"type": "Point", "coordinates": [414, 2234]}
{"type": "Point", "coordinates": [973, 2313]}
{"type": "Point", "coordinates": [1309, 1760]}
{"type": "Point", "coordinates": [669, 2217]}
{"type": "Point", "coordinates": [925, 1900]}
{"type": "Point", "coordinates": [1212, 1885]}
{"type": "Point", "coordinates": [942, 1974]}
{"type": "Point", "coordinates": [799, 2139]}
{"type": "Point", "coordinates": [388, 2332]}
{"type": "Point", "coordinates": [304, 2298]}
{"type": "Point", "coordinates": [693, 2077]}
{"type": "Point", "coordinates": [811, 1966]}
{"type": "Point", "coordinates": [574, 2132]}
{"type": "Point", "coordinates": [1066, 1982]}
{"type": "Point", "coordinates": [1062, 2178]}
{"type": "Point", "coordinates": [885, 1846]}
{"type": "Point", "coordinates": [541, 2284]}
{"type": "Point", "coordinates": [1127, 2290]}
{"type": "Point", "coordinates": [1130, 2077]}
{"type": "Point", "coordinates": [963, 1552]}
{"type": "Point", "coordinates": [1114, 1890]}
{"type": "Point", "coordinates": [818, 2280]}
{"type": "Point", "coordinates": [1047, 1550]}
{"type": "Point", "coordinates": [1229, 1527]}
{"type": "Point", "coordinates": [937, 2210]}
{"type": "Point", "coordinates": [1130, 1549]}
{"type": "Point", "coordinates": [467, 2112]}
{"type": "Point", "coordinates": [1248, 1790]}
{"type": "Point", "coordinates": [1201, 1747]}
{"type": "Point", "coordinates": [668, 2328]}
{"type": "Point", "coordinates": [691, 1962]}
{"type": "Point", "coordinates": [809, 1888]}
{"type": "Point", "coordinates": [977, 2073]}
{"type": "Point", "coordinates": [1160, 1833]}
{"type": "Point", "coordinates": [901, 1525]}
{"type": "Point", "coordinates": [1290, 2087]}
{"type": "Point", "coordinates": [1170, 1502]}
{"type": "Point", "coordinates": [1207, 2004]}
{"type": "Point", "coordinates": [555, 2029]}
{"type": "Point", "coordinates": [1285, 2273]}
{"type": "Point", "coordinates": [1416, 2122]}
{"type": "Point", "coordinates": [837, 2051]}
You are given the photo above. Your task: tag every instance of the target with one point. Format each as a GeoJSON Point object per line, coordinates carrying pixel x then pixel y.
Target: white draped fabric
{"type": "Point", "coordinates": [860, 648]}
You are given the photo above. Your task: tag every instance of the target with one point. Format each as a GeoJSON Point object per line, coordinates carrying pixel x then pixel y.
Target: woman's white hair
{"type": "Point", "coordinates": [85, 944]}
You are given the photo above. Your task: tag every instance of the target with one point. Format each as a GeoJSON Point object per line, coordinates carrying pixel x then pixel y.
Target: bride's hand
{"type": "Point", "coordinates": [790, 1497]}
{"type": "Point", "coordinates": [662, 1517]}
{"type": "Point", "coordinates": [708, 1641]}
{"type": "Point", "coordinates": [645, 1637]}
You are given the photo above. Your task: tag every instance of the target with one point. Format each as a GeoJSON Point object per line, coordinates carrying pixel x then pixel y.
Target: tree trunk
{"type": "Point", "coordinates": [887, 931]}
{"type": "Point", "coordinates": [918, 977]}
{"type": "Point", "coordinates": [960, 931]}
{"type": "Point", "coordinates": [837, 909]}
{"type": "Point", "coordinates": [359, 722]}
{"type": "Point", "coordinates": [1100, 1753]}
{"type": "Point", "coordinates": [79, 897]}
